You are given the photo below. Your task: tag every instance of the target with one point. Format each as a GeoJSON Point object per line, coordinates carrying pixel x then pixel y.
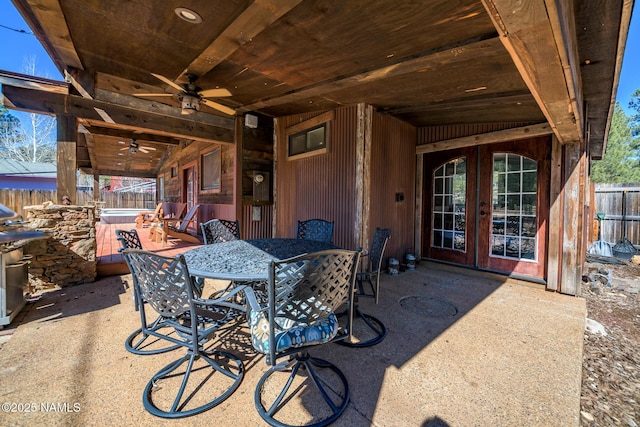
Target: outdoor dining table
{"type": "Point", "coordinates": [247, 260]}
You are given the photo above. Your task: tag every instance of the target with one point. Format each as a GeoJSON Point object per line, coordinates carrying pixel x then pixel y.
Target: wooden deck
{"type": "Point", "coordinates": [111, 262]}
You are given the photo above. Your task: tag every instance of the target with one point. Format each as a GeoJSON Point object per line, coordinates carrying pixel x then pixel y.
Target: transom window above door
{"type": "Point", "coordinates": [449, 205]}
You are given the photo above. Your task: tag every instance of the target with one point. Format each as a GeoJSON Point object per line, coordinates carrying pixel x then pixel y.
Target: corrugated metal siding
{"type": "Point", "coordinates": [393, 163]}
{"type": "Point", "coordinates": [320, 186]}
{"type": "Point", "coordinates": [256, 229]}
{"type": "Point", "coordinates": [430, 134]}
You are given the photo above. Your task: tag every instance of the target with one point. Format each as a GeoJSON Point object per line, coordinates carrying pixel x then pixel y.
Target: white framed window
{"type": "Point", "coordinates": [309, 138]}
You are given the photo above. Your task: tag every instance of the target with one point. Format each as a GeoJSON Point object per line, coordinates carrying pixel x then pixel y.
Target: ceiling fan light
{"type": "Point", "coordinates": [133, 147]}
{"type": "Point", "coordinates": [188, 15]}
{"type": "Point", "coordinates": [190, 104]}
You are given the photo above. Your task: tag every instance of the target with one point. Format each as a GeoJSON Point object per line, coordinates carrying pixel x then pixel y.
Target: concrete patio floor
{"type": "Point", "coordinates": [463, 349]}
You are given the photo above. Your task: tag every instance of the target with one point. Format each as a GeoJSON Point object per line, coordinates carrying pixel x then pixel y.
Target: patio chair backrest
{"type": "Point", "coordinates": [380, 238]}
{"type": "Point", "coordinates": [188, 218]}
{"type": "Point", "coordinates": [163, 282]}
{"type": "Point", "coordinates": [220, 230]}
{"type": "Point", "coordinates": [128, 239]}
{"type": "Point", "coordinates": [315, 229]}
{"type": "Point", "coordinates": [304, 290]}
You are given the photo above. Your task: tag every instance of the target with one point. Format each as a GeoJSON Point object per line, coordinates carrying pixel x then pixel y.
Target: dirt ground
{"type": "Point", "coordinates": [611, 364]}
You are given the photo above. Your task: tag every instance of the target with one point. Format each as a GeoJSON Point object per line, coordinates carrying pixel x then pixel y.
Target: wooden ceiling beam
{"type": "Point", "coordinates": [128, 134]}
{"type": "Point", "coordinates": [127, 118]}
{"type": "Point", "coordinates": [10, 78]}
{"type": "Point", "coordinates": [463, 50]}
{"type": "Point", "coordinates": [486, 138]}
{"type": "Point", "coordinates": [163, 109]}
{"type": "Point", "coordinates": [260, 14]}
{"type": "Point", "coordinates": [47, 20]}
{"type": "Point", "coordinates": [540, 37]}
{"type": "Point", "coordinates": [474, 102]}
{"type": "Point", "coordinates": [132, 174]}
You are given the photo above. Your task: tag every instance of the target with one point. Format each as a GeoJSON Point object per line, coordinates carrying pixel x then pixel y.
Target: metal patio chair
{"type": "Point", "coordinates": [141, 341]}
{"type": "Point", "coordinates": [209, 376]}
{"type": "Point", "coordinates": [220, 230]}
{"type": "Point", "coordinates": [368, 285]}
{"type": "Point", "coordinates": [303, 293]}
{"type": "Point", "coordinates": [315, 229]}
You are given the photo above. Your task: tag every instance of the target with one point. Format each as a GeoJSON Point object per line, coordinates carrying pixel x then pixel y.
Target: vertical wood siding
{"type": "Point", "coordinates": [393, 171]}
{"type": "Point", "coordinates": [256, 229]}
{"type": "Point", "coordinates": [321, 186]}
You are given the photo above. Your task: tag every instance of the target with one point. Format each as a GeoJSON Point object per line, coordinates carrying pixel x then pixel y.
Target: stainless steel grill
{"type": "Point", "coordinates": [14, 272]}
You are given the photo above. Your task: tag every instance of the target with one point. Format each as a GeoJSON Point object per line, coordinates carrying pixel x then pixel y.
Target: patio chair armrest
{"type": "Point", "coordinates": [252, 301]}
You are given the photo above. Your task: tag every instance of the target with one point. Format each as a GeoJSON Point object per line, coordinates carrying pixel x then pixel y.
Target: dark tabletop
{"type": "Point", "coordinates": [247, 260]}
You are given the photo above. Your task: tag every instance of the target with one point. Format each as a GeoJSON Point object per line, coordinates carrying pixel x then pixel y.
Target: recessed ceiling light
{"type": "Point", "coordinates": [188, 15]}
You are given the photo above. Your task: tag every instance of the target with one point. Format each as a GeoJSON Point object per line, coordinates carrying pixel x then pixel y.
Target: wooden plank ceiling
{"type": "Point", "coordinates": [428, 63]}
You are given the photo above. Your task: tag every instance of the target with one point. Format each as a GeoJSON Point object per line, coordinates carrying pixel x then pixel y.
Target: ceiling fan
{"type": "Point", "coordinates": [134, 147]}
{"type": "Point", "coordinates": [191, 96]}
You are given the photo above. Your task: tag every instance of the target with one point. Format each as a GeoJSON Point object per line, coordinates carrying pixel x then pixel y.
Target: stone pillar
{"type": "Point", "coordinates": [68, 257]}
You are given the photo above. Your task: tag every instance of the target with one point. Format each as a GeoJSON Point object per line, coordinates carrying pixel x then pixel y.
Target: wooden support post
{"type": "Point", "coordinates": [418, 206]}
{"type": "Point", "coordinates": [554, 258]}
{"type": "Point", "coordinates": [96, 186]}
{"type": "Point", "coordinates": [573, 214]}
{"type": "Point", "coordinates": [237, 174]}
{"type": "Point", "coordinates": [66, 158]}
{"type": "Point", "coordinates": [363, 175]}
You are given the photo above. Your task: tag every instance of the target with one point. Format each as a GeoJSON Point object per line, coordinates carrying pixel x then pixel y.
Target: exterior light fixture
{"type": "Point", "coordinates": [188, 15]}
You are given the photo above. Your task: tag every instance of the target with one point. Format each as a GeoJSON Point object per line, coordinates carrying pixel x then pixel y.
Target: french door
{"type": "Point", "coordinates": [487, 206]}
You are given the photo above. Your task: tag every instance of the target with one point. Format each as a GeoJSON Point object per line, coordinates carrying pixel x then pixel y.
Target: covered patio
{"type": "Point", "coordinates": [431, 370]}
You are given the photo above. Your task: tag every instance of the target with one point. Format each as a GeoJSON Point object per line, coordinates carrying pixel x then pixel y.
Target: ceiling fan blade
{"type": "Point", "coordinates": [152, 94]}
{"type": "Point", "coordinates": [220, 107]}
{"type": "Point", "coordinates": [169, 82]}
{"type": "Point", "coordinates": [214, 93]}
{"type": "Point", "coordinates": [148, 148]}
{"type": "Point", "coordinates": [143, 150]}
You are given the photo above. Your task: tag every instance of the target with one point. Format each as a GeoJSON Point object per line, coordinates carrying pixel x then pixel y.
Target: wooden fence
{"type": "Point", "coordinates": [613, 200]}
{"type": "Point", "coordinates": [17, 199]}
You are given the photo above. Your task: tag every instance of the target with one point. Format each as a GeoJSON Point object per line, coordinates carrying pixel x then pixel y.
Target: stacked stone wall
{"type": "Point", "coordinates": [68, 256]}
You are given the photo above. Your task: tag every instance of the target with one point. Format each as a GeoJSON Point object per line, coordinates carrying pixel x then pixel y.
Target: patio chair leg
{"type": "Point", "coordinates": [269, 410]}
{"type": "Point", "coordinates": [142, 343]}
{"type": "Point", "coordinates": [180, 402]}
{"type": "Point", "coordinates": [372, 323]}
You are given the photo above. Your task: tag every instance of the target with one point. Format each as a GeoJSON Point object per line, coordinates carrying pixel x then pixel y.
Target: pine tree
{"type": "Point", "coordinates": [621, 160]}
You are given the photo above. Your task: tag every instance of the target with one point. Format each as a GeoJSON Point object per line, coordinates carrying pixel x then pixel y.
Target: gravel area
{"type": "Point", "coordinates": [611, 364]}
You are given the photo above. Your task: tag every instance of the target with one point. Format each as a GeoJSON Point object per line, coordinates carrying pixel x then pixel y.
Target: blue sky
{"type": "Point", "coordinates": [16, 46]}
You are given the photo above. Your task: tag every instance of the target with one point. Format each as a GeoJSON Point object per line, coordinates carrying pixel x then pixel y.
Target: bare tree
{"type": "Point", "coordinates": [38, 142]}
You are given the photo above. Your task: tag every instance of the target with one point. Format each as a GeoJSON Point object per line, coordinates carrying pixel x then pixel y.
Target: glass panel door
{"type": "Point", "coordinates": [449, 205]}
{"type": "Point", "coordinates": [514, 201]}
{"type": "Point", "coordinates": [449, 211]}
{"type": "Point", "coordinates": [514, 206]}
